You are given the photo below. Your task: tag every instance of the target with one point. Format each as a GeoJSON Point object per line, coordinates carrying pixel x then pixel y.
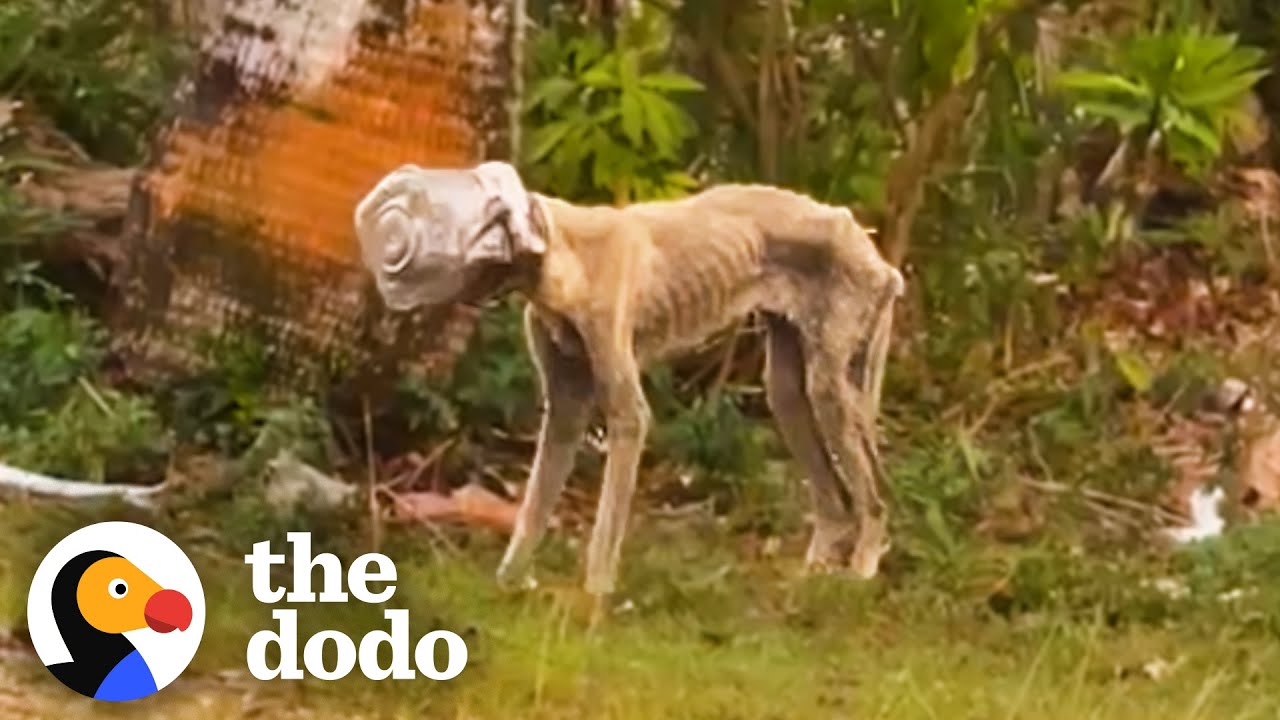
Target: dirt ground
{"type": "Point", "coordinates": [25, 696]}
{"type": "Point", "coordinates": [28, 692]}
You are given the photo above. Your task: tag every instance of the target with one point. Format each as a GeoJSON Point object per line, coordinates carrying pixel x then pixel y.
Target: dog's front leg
{"type": "Point", "coordinates": [567, 399]}
{"type": "Point", "coordinates": [627, 424]}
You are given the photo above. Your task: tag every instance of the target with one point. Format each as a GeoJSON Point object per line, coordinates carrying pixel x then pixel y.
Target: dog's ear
{"type": "Point", "coordinates": [507, 203]}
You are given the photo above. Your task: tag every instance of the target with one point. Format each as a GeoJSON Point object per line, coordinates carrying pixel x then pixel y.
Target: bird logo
{"type": "Point", "coordinates": [116, 611]}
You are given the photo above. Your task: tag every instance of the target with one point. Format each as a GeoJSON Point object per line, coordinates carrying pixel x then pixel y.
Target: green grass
{"type": "Point", "coordinates": [713, 633]}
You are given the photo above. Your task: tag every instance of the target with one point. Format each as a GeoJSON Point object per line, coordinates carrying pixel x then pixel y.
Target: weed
{"type": "Point", "coordinates": [300, 427]}
{"type": "Point", "coordinates": [233, 410]}
{"type": "Point", "coordinates": [23, 225]}
{"type": "Point", "coordinates": [99, 68]}
{"type": "Point", "coordinates": [610, 127]}
{"type": "Point", "coordinates": [494, 383]}
{"type": "Point", "coordinates": [428, 408]}
{"type": "Point", "coordinates": [94, 434]}
{"type": "Point", "coordinates": [1235, 244]}
{"type": "Point", "coordinates": [936, 489]}
{"type": "Point", "coordinates": [42, 354]}
{"type": "Point", "coordinates": [53, 419]}
{"type": "Point", "coordinates": [713, 436]}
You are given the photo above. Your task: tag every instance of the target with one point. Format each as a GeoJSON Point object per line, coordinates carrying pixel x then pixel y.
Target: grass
{"type": "Point", "coordinates": [714, 631]}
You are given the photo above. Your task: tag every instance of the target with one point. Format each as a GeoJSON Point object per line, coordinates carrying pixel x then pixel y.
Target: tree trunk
{"type": "Point", "coordinates": [928, 142]}
{"type": "Point", "coordinates": [241, 225]}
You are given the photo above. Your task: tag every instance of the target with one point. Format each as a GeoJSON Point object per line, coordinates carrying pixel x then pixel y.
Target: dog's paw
{"type": "Point", "coordinates": [829, 548]}
{"type": "Point", "coordinates": [865, 561]}
{"type": "Point", "coordinates": [515, 580]}
{"type": "Point", "coordinates": [822, 567]}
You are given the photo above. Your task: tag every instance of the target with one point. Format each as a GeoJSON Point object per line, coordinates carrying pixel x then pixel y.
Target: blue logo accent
{"type": "Point", "coordinates": [129, 680]}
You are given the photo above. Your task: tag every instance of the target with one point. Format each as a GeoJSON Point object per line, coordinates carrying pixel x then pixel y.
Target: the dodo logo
{"type": "Point", "coordinates": [116, 611]}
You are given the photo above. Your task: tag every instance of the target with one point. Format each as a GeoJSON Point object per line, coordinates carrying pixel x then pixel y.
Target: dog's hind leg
{"type": "Point", "coordinates": [834, 531]}
{"type": "Point", "coordinates": [845, 411]}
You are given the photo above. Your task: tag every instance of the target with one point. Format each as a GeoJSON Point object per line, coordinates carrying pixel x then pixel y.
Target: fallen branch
{"type": "Point", "coordinates": [16, 480]}
{"type": "Point", "coordinates": [470, 504]}
{"type": "Point", "coordinates": [421, 465]}
{"type": "Point", "coordinates": [680, 512]}
{"type": "Point", "coordinates": [1098, 497]}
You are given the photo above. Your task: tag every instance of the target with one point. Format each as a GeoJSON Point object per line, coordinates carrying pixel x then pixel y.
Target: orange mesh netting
{"type": "Point", "coordinates": [243, 222]}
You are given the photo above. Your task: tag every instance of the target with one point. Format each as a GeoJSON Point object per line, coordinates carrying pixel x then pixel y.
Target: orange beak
{"type": "Point", "coordinates": [168, 610]}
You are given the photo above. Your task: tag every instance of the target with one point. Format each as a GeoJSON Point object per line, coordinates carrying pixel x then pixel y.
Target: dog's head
{"type": "Point", "coordinates": [429, 236]}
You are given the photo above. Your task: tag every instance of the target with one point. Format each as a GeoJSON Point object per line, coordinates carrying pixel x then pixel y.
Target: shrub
{"type": "Point", "coordinates": [99, 68]}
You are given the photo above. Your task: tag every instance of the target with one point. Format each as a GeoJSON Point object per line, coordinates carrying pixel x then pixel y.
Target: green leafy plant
{"type": "Point", "coordinates": [225, 407]}
{"type": "Point", "coordinates": [100, 68]}
{"type": "Point", "coordinates": [23, 224]}
{"type": "Point", "coordinates": [428, 408]}
{"type": "Point", "coordinates": [494, 383]}
{"type": "Point", "coordinates": [1231, 241]}
{"type": "Point", "coordinates": [713, 436]}
{"type": "Point", "coordinates": [847, 149]}
{"type": "Point", "coordinates": [42, 354]}
{"type": "Point", "coordinates": [937, 486]}
{"type": "Point", "coordinates": [94, 434]}
{"type": "Point", "coordinates": [1181, 88]}
{"type": "Point", "coordinates": [299, 426]}
{"type": "Point", "coordinates": [53, 418]}
{"type": "Point", "coordinates": [23, 227]}
{"type": "Point", "coordinates": [606, 124]}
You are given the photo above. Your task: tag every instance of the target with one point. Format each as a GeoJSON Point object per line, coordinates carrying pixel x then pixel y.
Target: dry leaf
{"type": "Point", "coordinates": [425, 506]}
{"type": "Point", "coordinates": [481, 507]}
{"type": "Point", "coordinates": [469, 505]}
